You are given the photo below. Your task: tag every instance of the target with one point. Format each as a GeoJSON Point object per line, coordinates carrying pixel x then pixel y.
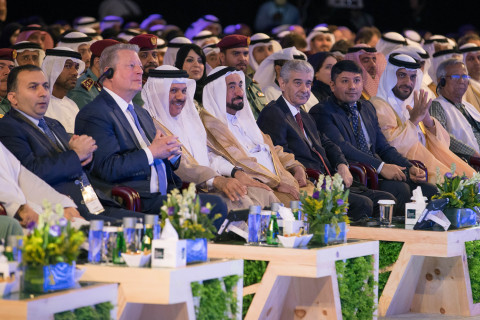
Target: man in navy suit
{"type": "Point", "coordinates": [43, 146]}
{"type": "Point", "coordinates": [292, 128]}
{"type": "Point", "coordinates": [353, 125]}
{"type": "Point", "coordinates": [130, 150]}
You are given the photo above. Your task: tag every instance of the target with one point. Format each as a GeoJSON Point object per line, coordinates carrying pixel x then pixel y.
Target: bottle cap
{"type": "Point", "coordinates": [295, 204]}
{"type": "Point", "coordinates": [151, 219]}
{"type": "Point", "coordinates": [275, 206]}
{"type": "Point", "coordinates": [255, 210]}
{"type": "Point", "coordinates": [129, 222]}
{"type": "Point", "coordinates": [96, 225]}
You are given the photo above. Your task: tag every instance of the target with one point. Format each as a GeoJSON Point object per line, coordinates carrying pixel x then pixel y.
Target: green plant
{"type": "Point", "coordinates": [388, 255]}
{"type": "Point", "coordinates": [473, 258]}
{"type": "Point", "coordinates": [356, 286]}
{"type": "Point", "coordinates": [52, 240]}
{"type": "Point", "coordinates": [461, 191]}
{"type": "Point", "coordinates": [99, 311]}
{"type": "Point", "coordinates": [187, 216]}
{"type": "Point", "coordinates": [327, 205]}
{"type": "Point", "coordinates": [253, 271]}
{"type": "Point", "coordinates": [66, 315]}
{"type": "Point", "coordinates": [218, 298]}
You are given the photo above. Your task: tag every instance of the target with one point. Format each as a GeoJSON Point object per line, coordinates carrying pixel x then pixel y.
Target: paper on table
{"type": "Point", "coordinates": [169, 232]}
{"type": "Point", "coordinates": [418, 196]}
{"type": "Point", "coordinates": [286, 214]}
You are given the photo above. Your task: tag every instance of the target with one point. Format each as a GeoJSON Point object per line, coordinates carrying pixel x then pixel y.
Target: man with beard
{"type": "Point", "coordinates": [62, 66]}
{"type": "Point", "coordinates": [88, 87]}
{"type": "Point", "coordinates": [403, 115]}
{"type": "Point", "coordinates": [457, 116]}
{"type": "Point", "coordinates": [293, 129]}
{"type": "Point", "coordinates": [372, 63]}
{"type": "Point", "coordinates": [6, 64]}
{"type": "Point", "coordinates": [79, 42]}
{"type": "Point", "coordinates": [28, 53]}
{"type": "Point", "coordinates": [234, 53]}
{"type": "Point", "coordinates": [168, 96]}
{"type": "Point", "coordinates": [237, 145]}
{"type": "Point", "coordinates": [320, 39]}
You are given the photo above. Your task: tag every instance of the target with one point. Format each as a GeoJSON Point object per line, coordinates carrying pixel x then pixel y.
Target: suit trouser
{"type": "Point", "coordinates": [363, 202]}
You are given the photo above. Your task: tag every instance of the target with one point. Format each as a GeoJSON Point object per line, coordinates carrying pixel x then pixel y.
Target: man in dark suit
{"type": "Point", "coordinates": [292, 128]}
{"type": "Point", "coordinates": [130, 150]}
{"type": "Point", "coordinates": [43, 146]}
{"type": "Point", "coordinates": [353, 124]}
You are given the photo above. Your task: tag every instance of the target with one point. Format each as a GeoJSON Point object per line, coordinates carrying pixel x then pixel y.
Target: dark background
{"type": "Point", "coordinates": [442, 17]}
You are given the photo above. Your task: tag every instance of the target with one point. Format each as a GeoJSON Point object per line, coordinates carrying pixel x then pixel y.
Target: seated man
{"type": "Point", "coordinates": [237, 144]}
{"type": "Point", "coordinates": [352, 123]}
{"type": "Point", "coordinates": [62, 67]}
{"type": "Point", "coordinates": [6, 64]}
{"type": "Point", "coordinates": [458, 117]}
{"type": "Point", "coordinates": [130, 150]}
{"type": "Point", "coordinates": [22, 192]}
{"type": "Point", "coordinates": [412, 131]}
{"type": "Point", "coordinates": [28, 53]}
{"type": "Point", "coordinates": [168, 94]}
{"type": "Point", "coordinates": [43, 146]}
{"type": "Point", "coordinates": [372, 64]}
{"type": "Point", "coordinates": [293, 129]}
{"type": "Point", "coordinates": [471, 59]}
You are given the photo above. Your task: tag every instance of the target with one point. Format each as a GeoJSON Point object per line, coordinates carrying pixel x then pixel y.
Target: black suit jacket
{"type": "Point", "coordinates": [119, 159]}
{"type": "Point", "coordinates": [60, 169]}
{"type": "Point", "coordinates": [332, 118]}
{"type": "Point", "coordinates": [277, 121]}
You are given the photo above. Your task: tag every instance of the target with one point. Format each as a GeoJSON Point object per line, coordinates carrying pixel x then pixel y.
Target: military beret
{"type": "Point", "coordinates": [98, 46]}
{"type": "Point", "coordinates": [233, 41]}
{"type": "Point", "coordinates": [8, 54]}
{"type": "Point", "coordinates": [145, 41]}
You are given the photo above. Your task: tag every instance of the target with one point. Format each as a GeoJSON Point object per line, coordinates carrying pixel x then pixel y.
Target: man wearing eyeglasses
{"type": "Point", "coordinates": [458, 117]}
{"type": "Point", "coordinates": [62, 66]}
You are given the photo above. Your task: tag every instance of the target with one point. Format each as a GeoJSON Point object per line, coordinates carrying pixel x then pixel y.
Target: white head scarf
{"type": "Point", "coordinates": [468, 48]}
{"type": "Point", "coordinates": [389, 42]}
{"type": "Point", "coordinates": [416, 51]}
{"type": "Point", "coordinates": [389, 80]}
{"type": "Point", "coordinates": [265, 75]}
{"type": "Point", "coordinates": [89, 22]}
{"type": "Point", "coordinates": [128, 34]}
{"type": "Point", "coordinates": [110, 22]}
{"type": "Point", "coordinates": [54, 63]}
{"type": "Point", "coordinates": [440, 56]}
{"type": "Point", "coordinates": [318, 31]}
{"type": "Point", "coordinates": [30, 46]}
{"type": "Point", "coordinates": [172, 48]}
{"type": "Point", "coordinates": [412, 35]}
{"type": "Point", "coordinates": [73, 40]}
{"type": "Point", "coordinates": [215, 102]}
{"type": "Point", "coordinates": [201, 24]}
{"type": "Point", "coordinates": [187, 126]}
{"type": "Point", "coordinates": [429, 45]}
{"type": "Point", "coordinates": [91, 33]}
{"type": "Point", "coordinates": [203, 36]}
{"type": "Point", "coordinates": [260, 40]}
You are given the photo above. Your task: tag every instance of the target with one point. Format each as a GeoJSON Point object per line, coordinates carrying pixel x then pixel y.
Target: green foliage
{"type": "Point", "coordinates": [356, 286]}
{"type": "Point", "coordinates": [461, 192]}
{"type": "Point", "coordinates": [388, 252]}
{"type": "Point", "coordinates": [253, 271]}
{"type": "Point", "coordinates": [52, 241]}
{"type": "Point", "coordinates": [247, 301]}
{"type": "Point", "coordinates": [473, 258]}
{"type": "Point", "coordinates": [327, 205]}
{"type": "Point", "coordinates": [382, 281]}
{"type": "Point", "coordinates": [218, 298]}
{"type": "Point", "coordinates": [190, 220]}
{"type": "Point", "coordinates": [99, 311]}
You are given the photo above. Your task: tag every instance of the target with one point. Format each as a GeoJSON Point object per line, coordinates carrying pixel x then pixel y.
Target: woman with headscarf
{"type": "Point", "coordinates": [322, 63]}
{"type": "Point", "coordinates": [9, 34]}
{"type": "Point", "coordinates": [191, 58]}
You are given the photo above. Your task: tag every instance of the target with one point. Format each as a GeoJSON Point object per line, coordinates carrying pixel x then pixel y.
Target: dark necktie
{"type": "Point", "coordinates": [298, 118]}
{"type": "Point", "coordinates": [48, 132]}
{"type": "Point", "coordinates": [162, 179]}
{"type": "Point", "coordinates": [357, 130]}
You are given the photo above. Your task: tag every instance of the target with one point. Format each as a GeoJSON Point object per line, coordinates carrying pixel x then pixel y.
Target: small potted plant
{"type": "Point", "coordinates": [190, 220]}
{"type": "Point", "coordinates": [463, 196]}
{"type": "Point", "coordinates": [49, 252]}
{"type": "Point", "coordinates": [326, 210]}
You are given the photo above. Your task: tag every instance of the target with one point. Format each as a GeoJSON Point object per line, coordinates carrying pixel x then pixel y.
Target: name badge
{"type": "Point", "coordinates": [90, 197]}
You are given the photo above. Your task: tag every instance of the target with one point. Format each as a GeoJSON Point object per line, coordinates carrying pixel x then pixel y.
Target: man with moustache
{"type": "Point", "coordinates": [403, 115]}
{"type": "Point", "coordinates": [28, 53]}
{"type": "Point", "coordinates": [234, 53]}
{"type": "Point", "coordinates": [471, 59]}
{"type": "Point", "coordinates": [80, 42]}
{"type": "Point", "coordinates": [62, 66]}
{"type": "Point", "coordinates": [6, 64]}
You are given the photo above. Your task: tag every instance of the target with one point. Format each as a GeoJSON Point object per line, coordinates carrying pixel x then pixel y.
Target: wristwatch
{"type": "Point", "coordinates": [234, 170]}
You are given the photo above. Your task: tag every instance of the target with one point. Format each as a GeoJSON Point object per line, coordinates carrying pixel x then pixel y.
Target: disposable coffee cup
{"type": "Point", "coordinates": [386, 212]}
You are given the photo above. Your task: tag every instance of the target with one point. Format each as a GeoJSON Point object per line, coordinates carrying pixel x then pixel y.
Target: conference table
{"type": "Point", "coordinates": [431, 273]}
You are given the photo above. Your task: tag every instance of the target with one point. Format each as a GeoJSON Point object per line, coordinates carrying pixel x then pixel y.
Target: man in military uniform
{"type": "Point", "coordinates": [87, 87]}
{"type": "Point", "coordinates": [234, 53]}
{"type": "Point", "coordinates": [28, 53]}
{"type": "Point", "coordinates": [7, 56]}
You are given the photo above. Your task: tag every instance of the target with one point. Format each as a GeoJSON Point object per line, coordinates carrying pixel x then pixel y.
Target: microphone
{"type": "Point", "coordinates": [107, 74]}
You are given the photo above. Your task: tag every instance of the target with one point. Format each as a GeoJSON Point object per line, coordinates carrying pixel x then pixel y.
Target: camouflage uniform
{"type": "Point", "coordinates": [4, 107]}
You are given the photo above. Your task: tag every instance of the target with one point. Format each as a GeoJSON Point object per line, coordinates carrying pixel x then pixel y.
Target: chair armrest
{"type": "Point", "coordinates": [129, 197]}
{"type": "Point", "coordinates": [474, 162]}
{"type": "Point", "coordinates": [419, 164]}
{"type": "Point", "coordinates": [370, 173]}
{"type": "Point", "coordinates": [312, 174]}
{"type": "Point", "coordinates": [359, 172]}
{"type": "Point", "coordinates": [2, 210]}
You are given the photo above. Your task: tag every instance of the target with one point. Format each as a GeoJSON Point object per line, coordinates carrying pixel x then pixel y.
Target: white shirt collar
{"type": "Point", "coordinates": [32, 119]}
{"type": "Point", "coordinates": [293, 109]}
{"type": "Point", "coordinates": [120, 102]}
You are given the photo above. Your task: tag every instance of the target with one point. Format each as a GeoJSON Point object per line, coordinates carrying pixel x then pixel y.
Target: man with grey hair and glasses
{"type": "Point", "coordinates": [458, 117]}
{"type": "Point", "coordinates": [292, 128]}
